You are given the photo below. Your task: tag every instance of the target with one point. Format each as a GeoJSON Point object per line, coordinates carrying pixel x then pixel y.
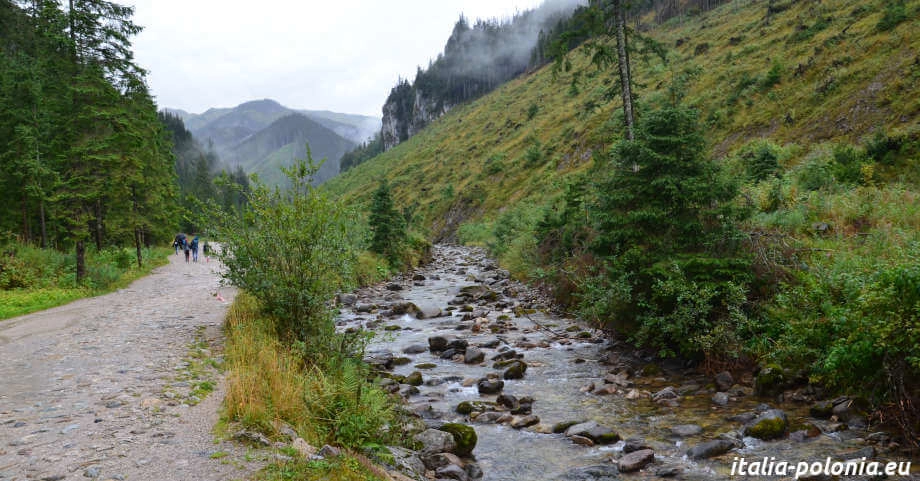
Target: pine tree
{"type": "Point", "coordinates": [387, 224]}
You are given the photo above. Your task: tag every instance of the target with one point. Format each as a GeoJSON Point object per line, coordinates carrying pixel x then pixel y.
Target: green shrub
{"type": "Point", "coordinates": [772, 77]}
{"type": "Point", "coordinates": [760, 159]}
{"type": "Point", "coordinates": [494, 164]}
{"type": "Point", "coordinates": [292, 250]}
{"type": "Point", "coordinates": [815, 173]}
{"type": "Point", "coordinates": [894, 13]}
{"type": "Point", "coordinates": [534, 155]}
{"type": "Point", "coordinates": [849, 164]}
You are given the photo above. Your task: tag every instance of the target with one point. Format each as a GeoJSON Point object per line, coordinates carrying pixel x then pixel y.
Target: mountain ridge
{"type": "Point", "coordinates": [243, 135]}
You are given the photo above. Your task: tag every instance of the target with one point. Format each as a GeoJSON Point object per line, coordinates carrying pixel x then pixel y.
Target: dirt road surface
{"type": "Point", "coordinates": [115, 387]}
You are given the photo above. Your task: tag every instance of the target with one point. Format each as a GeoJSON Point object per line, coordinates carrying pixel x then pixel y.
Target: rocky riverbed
{"type": "Point", "coordinates": [549, 399]}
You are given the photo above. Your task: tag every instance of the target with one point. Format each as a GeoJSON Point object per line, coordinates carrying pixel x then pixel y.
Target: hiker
{"type": "Point", "coordinates": [207, 251]}
{"type": "Point", "coordinates": [194, 247]}
{"type": "Point", "coordinates": [177, 241]}
{"type": "Point", "coordinates": [186, 248]}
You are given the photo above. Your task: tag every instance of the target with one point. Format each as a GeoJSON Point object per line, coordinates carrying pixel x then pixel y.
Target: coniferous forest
{"type": "Point", "coordinates": [86, 158]}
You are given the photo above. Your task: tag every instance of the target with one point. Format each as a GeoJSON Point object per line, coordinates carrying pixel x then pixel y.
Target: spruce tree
{"type": "Point", "coordinates": [387, 224]}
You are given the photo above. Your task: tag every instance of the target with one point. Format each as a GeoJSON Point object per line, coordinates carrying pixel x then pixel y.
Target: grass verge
{"type": "Point", "coordinates": [269, 384]}
{"type": "Point", "coordinates": [47, 288]}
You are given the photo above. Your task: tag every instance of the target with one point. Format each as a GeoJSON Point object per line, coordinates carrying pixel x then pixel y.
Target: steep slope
{"type": "Point", "coordinates": [794, 72]}
{"type": "Point", "coordinates": [285, 139]}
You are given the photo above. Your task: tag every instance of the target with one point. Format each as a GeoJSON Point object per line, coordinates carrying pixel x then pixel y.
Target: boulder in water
{"type": "Point", "coordinates": [710, 449]}
{"type": "Point", "coordinates": [515, 370]}
{"type": "Point", "coordinates": [635, 460]}
{"type": "Point", "coordinates": [770, 424]}
{"type": "Point", "coordinates": [464, 437]}
{"type": "Point", "coordinates": [488, 385]}
{"type": "Point", "coordinates": [436, 441]}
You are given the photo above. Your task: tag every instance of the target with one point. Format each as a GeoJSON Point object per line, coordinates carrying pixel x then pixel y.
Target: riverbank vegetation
{"type": "Point", "coordinates": [794, 246]}
{"type": "Point", "coordinates": [290, 252]}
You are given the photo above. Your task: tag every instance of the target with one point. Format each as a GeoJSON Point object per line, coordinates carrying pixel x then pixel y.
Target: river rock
{"type": "Point", "coordinates": [582, 440]}
{"type": "Point", "coordinates": [515, 370]}
{"type": "Point", "coordinates": [769, 381]}
{"type": "Point", "coordinates": [348, 299]}
{"type": "Point", "coordinates": [666, 393]}
{"type": "Point", "coordinates": [438, 342]}
{"type": "Point", "coordinates": [770, 424]}
{"type": "Point", "coordinates": [428, 312]}
{"type": "Point", "coordinates": [635, 444]}
{"type": "Point", "coordinates": [365, 308]}
{"type": "Point", "coordinates": [506, 354]}
{"type": "Point", "coordinates": [414, 349]}
{"type": "Point", "coordinates": [439, 460]}
{"type": "Point", "coordinates": [464, 438]}
{"type": "Point", "coordinates": [474, 355]}
{"type": "Point", "coordinates": [452, 471]}
{"type": "Point", "coordinates": [685, 430]}
{"type": "Point", "coordinates": [667, 471]}
{"type": "Point", "coordinates": [467, 407]}
{"type": "Point", "coordinates": [488, 417]}
{"type": "Point", "coordinates": [635, 460]}
{"type": "Point", "coordinates": [414, 379]}
{"type": "Point", "coordinates": [407, 461]}
{"type": "Point", "coordinates": [490, 385]}
{"type": "Point", "coordinates": [621, 379]}
{"type": "Point", "coordinates": [847, 410]}
{"type": "Point", "coordinates": [418, 277]}
{"type": "Point", "coordinates": [519, 422]}
{"type": "Point", "coordinates": [720, 398]}
{"type": "Point", "coordinates": [473, 470]}
{"type": "Point", "coordinates": [821, 410]}
{"type": "Point", "coordinates": [710, 449]}
{"type": "Point", "coordinates": [597, 433]}
{"type": "Point", "coordinates": [394, 287]}
{"type": "Point", "coordinates": [606, 390]}
{"type": "Point", "coordinates": [436, 441]}
{"type": "Point", "coordinates": [724, 381]}
{"type": "Point", "coordinates": [600, 472]}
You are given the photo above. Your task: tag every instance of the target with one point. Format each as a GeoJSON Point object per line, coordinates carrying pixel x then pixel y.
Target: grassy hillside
{"type": "Point", "coordinates": [809, 74]}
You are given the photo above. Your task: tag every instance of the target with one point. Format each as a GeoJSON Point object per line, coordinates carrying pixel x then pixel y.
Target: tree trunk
{"type": "Point", "coordinates": [623, 61]}
{"type": "Point", "coordinates": [97, 228]}
{"type": "Point", "coordinates": [137, 245]}
{"type": "Point", "coordinates": [81, 261]}
{"type": "Point", "coordinates": [26, 231]}
{"type": "Point", "coordinates": [41, 210]}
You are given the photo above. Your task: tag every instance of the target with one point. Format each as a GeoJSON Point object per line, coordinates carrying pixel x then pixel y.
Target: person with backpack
{"type": "Point", "coordinates": [207, 251]}
{"type": "Point", "coordinates": [194, 248]}
{"type": "Point", "coordinates": [186, 248]}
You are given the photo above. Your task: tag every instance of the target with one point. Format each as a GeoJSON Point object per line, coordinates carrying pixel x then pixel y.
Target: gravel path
{"type": "Point", "coordinates": [114, 387]}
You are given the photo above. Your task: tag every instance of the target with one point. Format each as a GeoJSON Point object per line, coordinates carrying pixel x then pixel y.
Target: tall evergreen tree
{"type": "Point", "coordinates": [387, 224]}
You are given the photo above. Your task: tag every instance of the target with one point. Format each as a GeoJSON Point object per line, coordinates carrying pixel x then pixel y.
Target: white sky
{"type": "Point", "coordinates": [341, 55]}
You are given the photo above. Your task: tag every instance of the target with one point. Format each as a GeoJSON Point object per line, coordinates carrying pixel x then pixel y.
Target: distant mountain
{"type": "Point", "coordinates": [285, 139]}
{"type": "Point", "coordinates": [242, 134]}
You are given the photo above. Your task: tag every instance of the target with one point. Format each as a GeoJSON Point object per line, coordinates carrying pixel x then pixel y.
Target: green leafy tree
{"type": "Point", "coordinates": [292, 250]}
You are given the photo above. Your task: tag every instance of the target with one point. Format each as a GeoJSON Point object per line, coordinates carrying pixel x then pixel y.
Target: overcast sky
{"type": "Point", "coordinates": [341, 55]}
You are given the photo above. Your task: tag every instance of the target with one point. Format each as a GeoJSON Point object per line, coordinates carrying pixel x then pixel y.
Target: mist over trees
{"type": "Point", "coordinates": [200, 174]}
{"type": "Point", "coordinates": [476, 59]}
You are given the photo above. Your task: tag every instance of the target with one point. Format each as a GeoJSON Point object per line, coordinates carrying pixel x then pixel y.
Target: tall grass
{"type": "Point", "coordinates": [269, 383]}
